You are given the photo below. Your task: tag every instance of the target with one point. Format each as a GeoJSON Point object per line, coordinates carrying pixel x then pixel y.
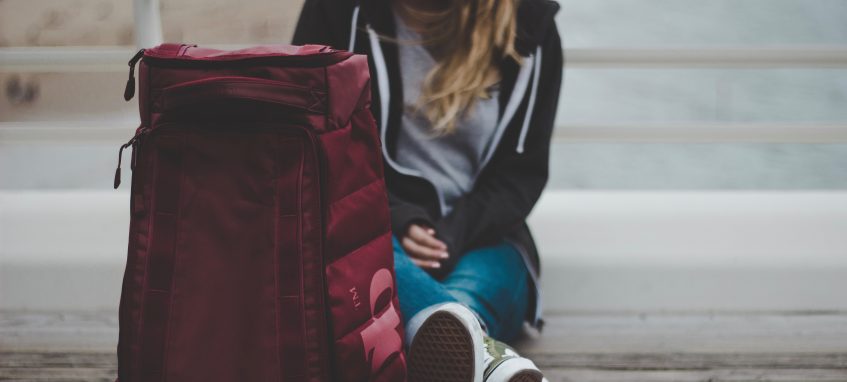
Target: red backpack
{"type": "Point", "coordinates": [259, 240]}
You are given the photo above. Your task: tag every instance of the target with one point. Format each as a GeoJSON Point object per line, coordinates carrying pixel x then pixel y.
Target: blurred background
{"type": "Point", "coordinates": [699, 169]}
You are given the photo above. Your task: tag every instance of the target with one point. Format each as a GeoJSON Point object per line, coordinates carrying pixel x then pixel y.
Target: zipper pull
{"type": "Point", "coordinates": [131, 142]}
{"type": "Point", "coordinates": [129, 91]}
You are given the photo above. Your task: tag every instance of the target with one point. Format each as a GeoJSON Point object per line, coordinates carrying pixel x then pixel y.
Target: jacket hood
{"type": "Point", "coordinates": [534, 19]}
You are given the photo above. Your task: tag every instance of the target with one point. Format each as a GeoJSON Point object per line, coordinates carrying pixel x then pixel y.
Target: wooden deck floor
{"type": "Point", "coordinates": [802, 346]}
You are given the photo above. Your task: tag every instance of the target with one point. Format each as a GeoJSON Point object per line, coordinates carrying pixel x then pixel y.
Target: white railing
{"type": "Point", "coordinates": [748, 132]}
{"type": "Point", "coordinates": [148, 23]}
{"type": "Point", "coordinates": [95, 59]}
{"type": "Point", "coordinates": [65, 59]}
{"type": "Point", "coordinates": [821, 56]}
{"type": "Point", "coordinates": [83, 132]}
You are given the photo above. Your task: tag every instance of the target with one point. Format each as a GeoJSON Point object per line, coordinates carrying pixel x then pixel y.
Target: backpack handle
{"type": "Point", "coordinates": [242, 88]}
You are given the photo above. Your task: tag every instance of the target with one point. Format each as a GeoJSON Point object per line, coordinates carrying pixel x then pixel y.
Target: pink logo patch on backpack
{"type": "Point", "coordinates": [380, 340]}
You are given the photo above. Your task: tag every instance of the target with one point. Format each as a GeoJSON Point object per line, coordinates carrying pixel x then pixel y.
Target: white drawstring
{"type": "Point", "coordinates": [530, 107]}
{"type": "Point", "coordinates": [515, 99]}
{"type": "Point", "coordinates": [352, 45]}
{"type": "Point", "coordinates": [381, 78]}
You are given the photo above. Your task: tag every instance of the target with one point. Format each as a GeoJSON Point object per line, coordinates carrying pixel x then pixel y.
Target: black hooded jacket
{"type": "Point", "coordinates": [512, 179]}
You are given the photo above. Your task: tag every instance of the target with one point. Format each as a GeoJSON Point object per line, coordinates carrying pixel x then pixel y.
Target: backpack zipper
{"type": "Point", "coordinates": [136, 139]}
{"type": "Point", "coordinates": [142, 130]}
{"type": "Point", "coordinates": [129, 90]}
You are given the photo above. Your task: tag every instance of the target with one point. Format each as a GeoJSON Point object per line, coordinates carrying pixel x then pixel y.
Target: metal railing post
{"type": "Point", "coordinates": [148, 23]}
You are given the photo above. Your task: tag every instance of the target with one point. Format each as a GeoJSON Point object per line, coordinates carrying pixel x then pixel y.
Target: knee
{"type": "Point", "coordinates": [509, 255]}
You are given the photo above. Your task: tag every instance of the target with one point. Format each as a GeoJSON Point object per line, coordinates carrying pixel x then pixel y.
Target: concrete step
{"type": "Point", "coordinates": [65, 250]}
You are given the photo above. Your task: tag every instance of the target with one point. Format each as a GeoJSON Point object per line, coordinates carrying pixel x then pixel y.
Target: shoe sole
{"type": "Point", "coordinates": [527, 376]}
{"type": "Point", "coordinates": [442, 351]}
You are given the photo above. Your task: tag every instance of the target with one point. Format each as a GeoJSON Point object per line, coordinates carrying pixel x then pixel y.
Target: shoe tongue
{"type": "Point", "coordinates": [496, 352]}
{"type": "Point", "coordinates": [488, 351]}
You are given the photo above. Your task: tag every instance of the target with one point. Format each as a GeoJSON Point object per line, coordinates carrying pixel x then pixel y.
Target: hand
{"type": "Point", "coordinates": [423, 248]}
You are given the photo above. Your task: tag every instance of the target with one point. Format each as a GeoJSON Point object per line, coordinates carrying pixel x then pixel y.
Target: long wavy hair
{"type": "Point", "coordinates": [468, 38]}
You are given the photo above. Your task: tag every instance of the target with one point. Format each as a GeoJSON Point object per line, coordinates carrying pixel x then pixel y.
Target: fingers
{"type": "Point", "coordinates": [425, 264]}
{"type": "Point", "coordinates": [423, 252]}
{"type": "Point", "coordinates": [423, 248]}
{"type": "Point", "coordinates": [426, 236]}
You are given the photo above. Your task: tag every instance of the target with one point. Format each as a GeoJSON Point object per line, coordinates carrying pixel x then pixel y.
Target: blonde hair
{"type": "Point", "coordinates": [468, 38]}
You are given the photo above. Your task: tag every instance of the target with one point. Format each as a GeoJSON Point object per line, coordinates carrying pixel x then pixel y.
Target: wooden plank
{"type": "Point", "coordinates": [604, 346]}
{"type": "Point", "coordinates": [566, 333]}
{"type": "Point", "coordinates": [101, 366]}
{"type": "Point", "coordinates": [58, 366]}
{"type": "Point", "coordinates": [57, 360]}
{"type": "Point", "coordinates": [687, 361]}
{"type": "Point", "coordinates": [718, 375]}
{"type": "Point", "coordinates": [691, 332]}
{"type": "Point", "coordinates": [657, 361]}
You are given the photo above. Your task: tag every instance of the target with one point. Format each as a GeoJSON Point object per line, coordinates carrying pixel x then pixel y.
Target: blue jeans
{"type": "Point", "coordinates": [491, 281]}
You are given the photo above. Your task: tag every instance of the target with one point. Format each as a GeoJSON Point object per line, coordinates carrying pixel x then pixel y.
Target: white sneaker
{"type": "Point", "coordinates": [503, 364]}
{"type": "Point", "coordinates": [445, 345]}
